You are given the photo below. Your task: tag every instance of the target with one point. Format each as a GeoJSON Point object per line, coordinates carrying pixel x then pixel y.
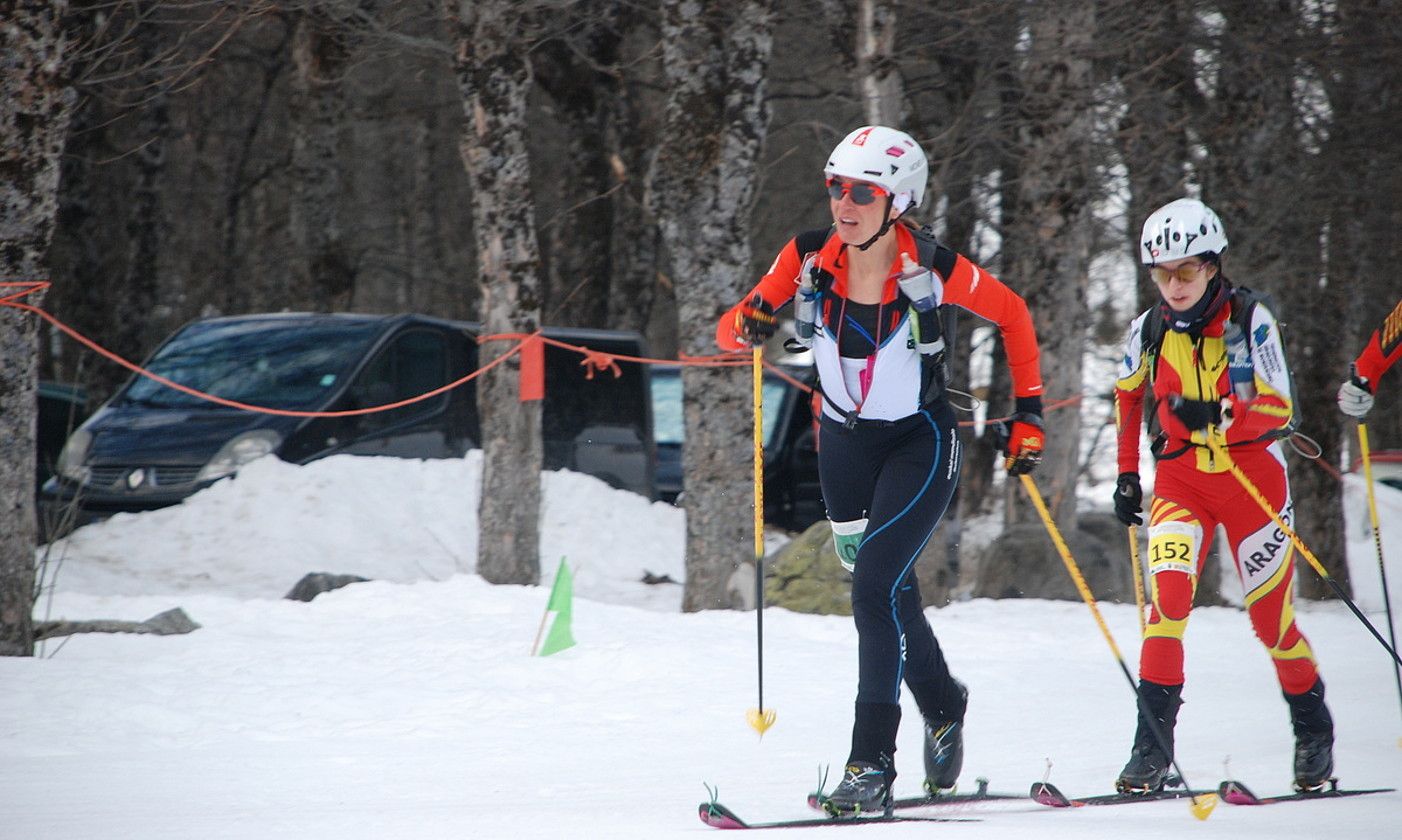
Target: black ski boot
{"type": "Point", "coordinates": [866, 781]}
{"type": "Point", "coordinates": [944, 746]}
{"type": "Point", "coordinates": [1314, 738]}
{"type": "Point", "coordinates": [1148, 765]}
{"type": "Point", "coordinates": [865, 789]}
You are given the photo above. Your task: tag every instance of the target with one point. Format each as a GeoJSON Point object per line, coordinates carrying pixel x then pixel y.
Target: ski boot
{"type": "Point", "coordinates": [1148, 766]}
{"type": "Point", "coordinates": [865, 789]}
{"type": "Point", "coordinates": [1314, 738]}
{"type": "Point", "coordinates": [944, 748]}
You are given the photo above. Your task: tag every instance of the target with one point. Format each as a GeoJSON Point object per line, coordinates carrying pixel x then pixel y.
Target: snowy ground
{"type": "Point", "coordinates": [408, 708]}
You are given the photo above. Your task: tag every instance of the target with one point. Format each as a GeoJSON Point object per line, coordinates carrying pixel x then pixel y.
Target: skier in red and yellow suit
{"type": "Point", "coordinates": [1194, 491]}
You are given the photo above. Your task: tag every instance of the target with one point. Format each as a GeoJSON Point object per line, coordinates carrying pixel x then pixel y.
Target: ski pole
{"type": "Point", "coordinates": [1202, 803]}
{"type": "Point", "coordinates": [1138, 577]}
{"type": "Point", "coordinates": [1378, 544]}
{"type": "Point", "coordinates": [760, 718]}
{"type": "Point", "coordinates": [1220, 451]}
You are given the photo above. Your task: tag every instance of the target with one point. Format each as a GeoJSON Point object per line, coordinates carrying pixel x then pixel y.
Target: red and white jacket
{"type": "Point", "coordinates": [895, 386]}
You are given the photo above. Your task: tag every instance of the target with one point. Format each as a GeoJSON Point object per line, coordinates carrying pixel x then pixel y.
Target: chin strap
{"type": "Point", "coordinates": [884, 227]}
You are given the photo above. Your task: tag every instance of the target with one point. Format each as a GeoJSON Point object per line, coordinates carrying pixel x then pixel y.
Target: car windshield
{"type": "Point", "coordinates": [668, 423]}
{"type": "Point", "coordinates": [286, 364]}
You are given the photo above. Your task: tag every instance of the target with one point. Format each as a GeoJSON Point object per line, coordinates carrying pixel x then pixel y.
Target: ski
{"type": "Point", "coordinates": [1237, 793]}
{"type": "Point", "coordinates": [981, 794]}
{"type": "Point", "coordinates": [717, 815]}
{"type": "Point", "coordinates": [1047, 794]}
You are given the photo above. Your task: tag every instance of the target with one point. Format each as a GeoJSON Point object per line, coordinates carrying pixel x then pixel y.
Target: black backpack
{"type": "Point", "coordinates": [1243, 302]}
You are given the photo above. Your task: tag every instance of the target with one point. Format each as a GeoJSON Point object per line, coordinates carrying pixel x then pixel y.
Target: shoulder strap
{"type": "Point", "coordinates": [1151, 334]}
{"type": "Point", "coordinates": [928, 328]}
{"type": "Point", "coordinates": [931, 253]}
{"type": "Point", "coordinates": [811, 240]}
{"type": "Point", "coordinates": [1244, 301]}
{"type": "Point", "coordinates": [926, 245]}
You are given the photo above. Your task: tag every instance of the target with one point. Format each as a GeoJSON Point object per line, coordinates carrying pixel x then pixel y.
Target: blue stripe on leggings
{"type": "Point", "coordinates": [895, 587]}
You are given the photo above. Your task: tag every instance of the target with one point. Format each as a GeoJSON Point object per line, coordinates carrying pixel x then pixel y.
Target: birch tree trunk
{"type": "Point", "coordinates": [491, 48]}
{"type": "Point", "coordinates": [35, 106]}
{"type": "Point", "coordinates": [1049, 232]}
{"type": "Point", "coordinates": [715, 58]}
{"type": "Point", "coordinates": [878, 75]}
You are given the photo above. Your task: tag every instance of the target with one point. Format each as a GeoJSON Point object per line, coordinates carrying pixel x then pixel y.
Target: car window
{"type": "Point", "coordinates": [413, 363]}
{"type": "Point", "coordinates": [289, 365]}
{"type": "Point", "coordinates": [669, 425]}
{"type": "Point", "coordinates": [578, 397]}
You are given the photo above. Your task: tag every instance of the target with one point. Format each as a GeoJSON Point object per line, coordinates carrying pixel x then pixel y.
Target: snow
{"type": "Point", "coordinates": [408, 707]}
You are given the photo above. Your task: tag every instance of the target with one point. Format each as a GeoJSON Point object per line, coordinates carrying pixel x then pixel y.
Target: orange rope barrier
{"type": "Point", "coordinates": [13, 301]}
{"type": "Point", "coordinates": [593, 361]}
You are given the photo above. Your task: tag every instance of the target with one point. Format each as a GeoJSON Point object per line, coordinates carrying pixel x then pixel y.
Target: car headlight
{"type": "Point", "coordinates": [74, 453]}
{"type": "Point", "coordinates": [249, 446]}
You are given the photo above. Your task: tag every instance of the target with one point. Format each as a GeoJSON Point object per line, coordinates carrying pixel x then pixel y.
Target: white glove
{"type": "Point", "coordinates": [1354, 398]}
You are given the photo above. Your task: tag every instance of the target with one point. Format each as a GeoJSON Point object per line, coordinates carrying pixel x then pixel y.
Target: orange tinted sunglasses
{"type": "Point", "coordinates": [1188, 272]}
{"type": "Point", "coordinates": [860, 192]}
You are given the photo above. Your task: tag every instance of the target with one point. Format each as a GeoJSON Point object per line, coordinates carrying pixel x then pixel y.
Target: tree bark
{"type": "Point", "coordinates": [35, 107]}
{"type": "Point", "coordinates": [322, 274]}
{"type": "Point", "coordinates": [715, 57]}
{"type": "Point", "coordinates": [492, 41]}
{"type": "Point", "coordinates": [574, 69]}
{"type": "Point", "coordinates": [1049, 233]}
{"type": "Point", "coordinates": [879, 84]}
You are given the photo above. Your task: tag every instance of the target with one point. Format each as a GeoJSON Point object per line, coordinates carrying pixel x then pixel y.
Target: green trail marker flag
{"type": "Point", "coordinates": [562, 604]}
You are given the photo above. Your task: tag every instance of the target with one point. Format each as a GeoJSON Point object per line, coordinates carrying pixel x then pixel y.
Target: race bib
{"type": "Point", "coordinates": [1173, 547]}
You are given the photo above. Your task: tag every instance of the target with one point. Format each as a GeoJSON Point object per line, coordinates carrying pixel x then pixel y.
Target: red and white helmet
{"type": "Point", "coordinates": [883, 156]}
{"type": "Point", "coordinates": [1182, 228]}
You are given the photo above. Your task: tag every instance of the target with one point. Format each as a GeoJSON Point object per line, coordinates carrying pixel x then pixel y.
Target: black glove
{"type": "Point", "coordinates": [1196, 414]}
{"type": "Point", "coordinates": [1129, 499]}
{"type": "Point", "coordinates": [755, 321]}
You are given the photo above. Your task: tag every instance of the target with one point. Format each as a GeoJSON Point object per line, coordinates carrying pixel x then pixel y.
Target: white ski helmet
{"type": "Point", "coordinates": [1181, 228]}
{"type": "Point", "coordinates": [883, 156]}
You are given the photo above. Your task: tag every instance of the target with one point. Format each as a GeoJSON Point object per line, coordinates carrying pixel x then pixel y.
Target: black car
{"type": "Point", "coordinates": [793, 498]}
{"type": "Point", "coordinates": [151, 445]}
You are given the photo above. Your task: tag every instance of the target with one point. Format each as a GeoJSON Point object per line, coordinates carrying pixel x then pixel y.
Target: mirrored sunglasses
{"type": "Point", "coordinates": [860, 192]}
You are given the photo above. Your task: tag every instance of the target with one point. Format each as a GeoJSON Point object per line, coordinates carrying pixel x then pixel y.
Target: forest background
{"type": "Point", "coordinates": [636, 165]}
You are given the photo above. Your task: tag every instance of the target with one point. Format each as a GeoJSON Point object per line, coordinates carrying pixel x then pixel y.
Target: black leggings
{"type": "Point", "coordinates": [900, 476]}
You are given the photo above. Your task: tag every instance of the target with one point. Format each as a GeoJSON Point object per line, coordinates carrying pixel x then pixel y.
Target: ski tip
{"type": "Point", "coordinates": [717, 815]}
{"type": "Point", "coordinates": [1045, 793]}
{"type": "Point", "coordinates": [1236, 793]}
